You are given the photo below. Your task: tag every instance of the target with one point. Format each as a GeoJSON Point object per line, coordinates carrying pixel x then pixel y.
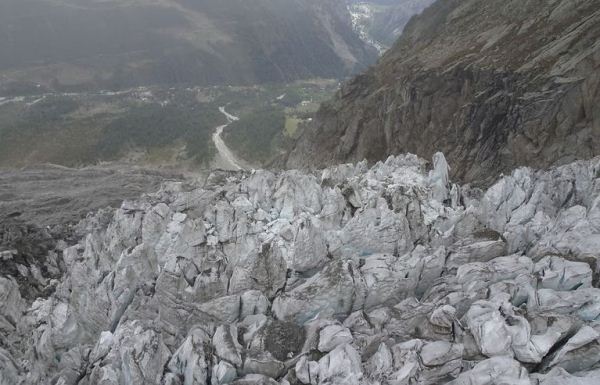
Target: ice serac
{"type": "Point", "coordinates": [351, 275]}
{"type": "Point", "coordinates": [493, 84]}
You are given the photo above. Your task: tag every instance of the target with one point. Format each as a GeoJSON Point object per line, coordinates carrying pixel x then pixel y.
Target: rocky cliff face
{"type": "Point", "coordinates": [354, 275]}
{"type": "Point", "coordinates": [493, 84]}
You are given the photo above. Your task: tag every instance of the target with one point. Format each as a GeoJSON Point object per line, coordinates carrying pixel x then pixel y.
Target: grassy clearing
{"type": "Point", "coordinates": [291, 126]}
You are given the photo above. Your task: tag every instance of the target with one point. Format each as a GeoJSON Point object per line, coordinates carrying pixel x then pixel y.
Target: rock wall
{"type": "Point", "coordinates": [493, 84]}
{"type": "Point", "coordinates": [353, 275]}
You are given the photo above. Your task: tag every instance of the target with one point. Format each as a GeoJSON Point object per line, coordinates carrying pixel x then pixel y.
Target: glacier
{"type": "Point", "coordinates": [389, 274]}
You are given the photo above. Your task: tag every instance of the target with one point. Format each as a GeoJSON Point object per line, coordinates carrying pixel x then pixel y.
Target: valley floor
{"type": "Point", "coordinates": [154, 126]}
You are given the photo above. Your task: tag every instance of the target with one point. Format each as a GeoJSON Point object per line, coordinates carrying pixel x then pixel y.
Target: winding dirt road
{"type": "Point", "coordinates": [229, 160]}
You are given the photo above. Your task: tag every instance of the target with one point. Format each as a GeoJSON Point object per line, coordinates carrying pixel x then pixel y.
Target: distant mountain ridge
{"type": "Point", "coordinates": [494, 84]}
{"type": "Point", "coordinates": [74, 44]}
{"type": "Point", "coordinates": [382, 21]}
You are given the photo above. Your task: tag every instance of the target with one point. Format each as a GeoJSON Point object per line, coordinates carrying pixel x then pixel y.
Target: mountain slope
{"type": "Point", "coordinates": [124, 43]}
{"type": "Point", "coordinates": [493, 84]}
